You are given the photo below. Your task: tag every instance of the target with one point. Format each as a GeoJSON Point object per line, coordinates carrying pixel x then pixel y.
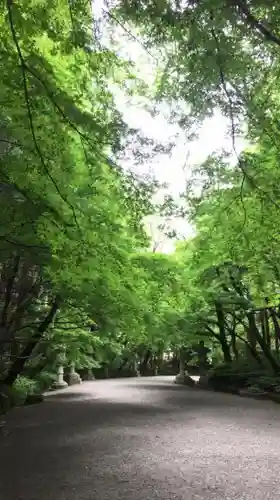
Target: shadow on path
{"type": "Point", "coordinates": [85, 442]}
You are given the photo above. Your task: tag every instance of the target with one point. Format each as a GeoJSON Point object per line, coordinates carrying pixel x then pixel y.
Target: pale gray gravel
{"type": "Point", "coordinates": [141, 439]}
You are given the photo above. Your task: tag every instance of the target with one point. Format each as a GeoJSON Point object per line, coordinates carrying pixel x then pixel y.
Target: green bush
{"type": "Point", "coordinates": [267, 383]}
{"type": "Point", "coordinates": [45, 379]}
{"type": "Point", "coordinates": [25, 390]}
{"type": "Point", "coordinates": [17, 395]}
{"type": "Point", "coordinates": [23, 387]}
{"type": "Point", "coordinates": [230, 377]}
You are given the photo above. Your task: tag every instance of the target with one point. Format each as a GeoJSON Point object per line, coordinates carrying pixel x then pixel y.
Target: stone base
{"type": "Point", "coordinates": [74, 378]}
{"type": "Point", "coordinates": [59, 385]}
{"type": "Point", "coordinates": [203, 382]}
{"type": "Point", "coordinates": [184, 379]}
{"type": "Point", "coordinates": [88, 376]}
{"type": "Point", "coordinates": [179, 379]}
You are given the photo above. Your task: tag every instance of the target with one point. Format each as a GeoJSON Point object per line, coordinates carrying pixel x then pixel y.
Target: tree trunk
{"type": "Point", "coordinates": [275, 323]}
{"type": "Point", "coordinates": [222, 332]}
{"type": "Point", "coordinates": [123, 364]}
{"type": "Point", "coordinates": [144, 364]}
{"type": "Point", "coordinates": [182, 362]}
{"type": "Point", "coordinates": [277, 346]}
{"type": "Point", "coordinates": [234, 345]}
{"type": "Point", "coordinates": [17, 367]}
{"type": "Point", "coordinates": [274, 317]}
{"type": "Point", "coordinates": [159, 360]}
{"type": "Point", "coordinates": [253, 333]}
{"type": "Point", "coordinates": [265, 327]}
{"type": "Point", "coordinates": [9, 289]}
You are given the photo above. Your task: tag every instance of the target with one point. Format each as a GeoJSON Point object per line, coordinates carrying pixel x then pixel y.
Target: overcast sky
{"type": "Point", "coordinates": [172, 169]}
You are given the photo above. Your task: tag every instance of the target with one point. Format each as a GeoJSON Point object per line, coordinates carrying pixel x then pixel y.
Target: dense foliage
{"type": "Point", "coordinates": [79, 283]}
{"type": "Point", "coordinates": [225, 56]}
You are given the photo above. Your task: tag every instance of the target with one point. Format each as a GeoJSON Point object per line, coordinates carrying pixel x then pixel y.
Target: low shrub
{"type": "Point", "coordinates": [23, 387]}
{"type": "Point", "coordinates": [45, 379]}
{"type": "Point", "coordinates": [266, 382]}
{"type": "Point", "coordinates": [230, 377]}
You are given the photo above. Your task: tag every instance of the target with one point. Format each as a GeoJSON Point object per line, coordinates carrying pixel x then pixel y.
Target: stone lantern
{"type": "Point", "coordinates": [60, 382]}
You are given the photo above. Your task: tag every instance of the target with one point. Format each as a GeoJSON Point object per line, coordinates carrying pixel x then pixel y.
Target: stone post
{"type": "Point", "coordinates": [202, 353]}
{"type": "Point", "coordinates": [135, 368]}
{"type": "Point", "coordinates": [74, 377]}
{"type": "Point", "coordinates": [180, 378]}
{"type": "Point", "coordinates": [60, 382]}
{"type": "Point", "coordinates": [89, 375]}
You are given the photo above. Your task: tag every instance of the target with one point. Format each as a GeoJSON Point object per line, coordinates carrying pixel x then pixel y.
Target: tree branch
{"type": "Point", "coordinates": [19, 363]}
{"type": "Point", "coordinates": [255, 23]}
{"type": "Point", "coordinates": [9, 4]}
{"type": "Point", "coordinates": [9, 289]}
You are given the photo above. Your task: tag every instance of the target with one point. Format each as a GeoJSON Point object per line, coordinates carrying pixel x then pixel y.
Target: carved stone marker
{"type": "Point", "coordinates": [74, 377]}
{"type": "Point", "coordinates": [60, 382]}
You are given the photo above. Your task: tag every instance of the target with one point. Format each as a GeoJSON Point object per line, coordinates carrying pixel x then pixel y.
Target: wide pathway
{"type": "Point", "coordinates": [141, 439]}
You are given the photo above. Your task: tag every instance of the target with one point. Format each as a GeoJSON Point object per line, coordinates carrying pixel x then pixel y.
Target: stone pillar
{"type": "Point", "coordinates": [135, 368]}
{"type": "Point", "coordinates": [202, 353]}
{"type": "Point", "coordinates": [180, 377]}
{"type": "Point", "coordinates": [74, 377]}
{"type": "Point", "coordinates": [60, 382]}
{"type": "Point", "coordinates": [89, 375]}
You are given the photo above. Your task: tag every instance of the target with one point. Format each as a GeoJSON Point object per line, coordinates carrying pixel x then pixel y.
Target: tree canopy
{"type": "Point", "coordinates": [77, 271]}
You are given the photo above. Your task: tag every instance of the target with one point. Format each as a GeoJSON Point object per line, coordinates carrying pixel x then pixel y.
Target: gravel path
{"type": "Point", "coordinates": [141, 439]}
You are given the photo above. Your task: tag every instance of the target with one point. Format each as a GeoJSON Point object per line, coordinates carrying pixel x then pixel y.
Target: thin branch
{"type": "Point", "coordinates": [9, 4]}
{"type": "Point", "coordinates": [71, 15]}
{"type": "Point", "coordinates": [9, 288]}
{"type": "Point", "coordinates": [231, 115]}
{"type": "Point", "coordinates": [35, 203]}
{"type": "Point", "coordinates": [12, 143]}
{"type": "Point", "coordinates": [24, 245]}
{"type": "Point", "coordinates": [133, 37]}
{"type": "Point", "coordinates": [68, 121]}
{"type": "Point", "coordinates": [255, 23]}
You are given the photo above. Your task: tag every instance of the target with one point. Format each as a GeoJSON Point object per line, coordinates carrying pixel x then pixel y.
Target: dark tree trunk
{"type": "Point", "coordinates": [144, 364]}
{"type": "Point", "coordinates": [275, 322]}
{"type": "Point", "coordinates": [9, 289]}
{"type": "Point", "coordinates": [253, 333]}
{"type": "Point", "coordinates": [123, 364]}
{"type": "Point", "coordinates": [222, 332]}
{"type": "Point", "coordinates": [182, 361]}
{"type": "Point", "coordinates": [18, 366]}
{"type": "Point", "coordinates": [159, 360]}
{"type": "Point", "coordinates": [233, 343]}
{"type": "Point", "coordinates": [265, 327]}
{"type": "Point", "coordinates": [234, 346]}
{"type": "Point", "coordinates": [274, 316]}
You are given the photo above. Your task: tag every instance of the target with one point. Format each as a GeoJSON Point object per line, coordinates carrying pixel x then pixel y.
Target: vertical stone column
{"type": "Point", "coordinates": [180, 377]}
{"type": "Point", "coordinates": [74, 377]}
{"type": "Point", "coordinates": [89, 375]}
{"type": "Point", "coordinates": [135, 368]}
{"type": "Point", "coordinates": [60, 382]}
{"type": "Point", "coordinates": [202, 353]}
